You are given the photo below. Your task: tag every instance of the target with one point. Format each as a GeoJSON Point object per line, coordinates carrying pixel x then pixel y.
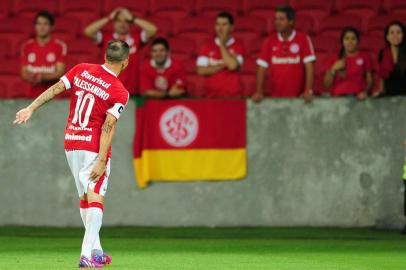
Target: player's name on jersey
{"type": "Point", "coordinates": [41, 69]}
{"type": "Point", "coordinates": [286, 60]}
{"type": "Point", "coordinates": [73, 137]}
{"type": "Point", "coordinates": [71, 127]}
{"type": "Point", "coordinates": [91, 88]}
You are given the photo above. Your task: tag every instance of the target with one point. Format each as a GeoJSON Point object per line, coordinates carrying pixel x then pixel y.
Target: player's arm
{"type": "Point", "coordinates": [26, 75]}
{"type": "Point", "coordinates": [209, 70]}
{"type": "Point", "coordinates": [24, 115]}
{"type": "Point", "coordinates": [93, 28]}
{"type": "Point", "coordinates": [369, 84]}
{"type": "Point", "coordinates": [259, 92]}
{"type": "Point", "coordinates": [106, 138]}
{"type": "Point", "coordinates": [309, 70]}
{"type": "Point", "coordinates": [148, 27]}
{"type": "Point", "coordinates": [230, 60]}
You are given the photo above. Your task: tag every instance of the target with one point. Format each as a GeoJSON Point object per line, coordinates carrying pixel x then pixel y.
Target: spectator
{"type": "Point", "coordinates": [392, 62]}
{"type": "Point", "coordinates": [162, 76]}
{"type": "Point", "coordinates": [42, 57]}
{"type": "Point", "coordinates": [220, 59]}
{"type": "Point", "coordinates": [122, 20]}
{"type": "Point", "coordinates": [289, 56]}
{"type": "Point", "coordinates": [350, 71]}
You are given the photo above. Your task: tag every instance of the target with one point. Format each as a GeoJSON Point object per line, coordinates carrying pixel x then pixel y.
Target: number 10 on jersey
{"type": "Point", "coordinates": [80, 106]}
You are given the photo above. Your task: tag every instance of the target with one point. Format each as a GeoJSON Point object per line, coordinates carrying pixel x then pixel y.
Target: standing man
{"type": "Point", "coordinates": [220, 60]}
{"type": "Point", "coordinates": [42, 57]}
{"type": "Point", "coordinates": [97, 100]}
{"type": "Point", "coordinates": [122, 21]}
{"type": "Point", "coordinates": [162, 76]}
{"type": "Point", "coordinates": [289, 56]}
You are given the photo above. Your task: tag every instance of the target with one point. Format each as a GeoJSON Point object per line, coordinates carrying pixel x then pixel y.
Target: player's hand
{"type": "Point", "coordinates": [98, 170]}
{"type": "Point", "coordinates": [257, 97]}
{"type": "Point", "coordinates": [175, 92]}
{"type": "Point", "coordinates": [308, 97]}
{"type": "Point", "coordinates": [338, 65]}
{"type": "Point", "coordinates": [23, 115]}
{"type": "Point", "coordinates": [377, 93]}
{"type": "Point", "coordinates": [362, 96]}
{"type": "Point", "coordinates": [114, 13]}
{"type": "Point", "coordinates": [127, 14]}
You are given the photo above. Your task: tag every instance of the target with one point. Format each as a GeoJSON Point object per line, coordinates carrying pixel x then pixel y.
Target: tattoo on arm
{"type": "Point", "coordinates": [107, 127]}
{"type": "Point", "coordinates": [49, 94]}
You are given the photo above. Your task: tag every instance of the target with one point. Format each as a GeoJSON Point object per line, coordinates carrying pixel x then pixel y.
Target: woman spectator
{"type": "Point", "coordinates": [350, 71]}
{"type": "Point", "coordinates": [392, 62]}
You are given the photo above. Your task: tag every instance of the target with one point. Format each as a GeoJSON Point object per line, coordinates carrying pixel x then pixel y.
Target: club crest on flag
{"type": "Point", "coordinates": [179, 126]}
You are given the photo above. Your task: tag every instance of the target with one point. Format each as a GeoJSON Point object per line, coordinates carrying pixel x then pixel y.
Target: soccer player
{"type": "Point", "coordinates": [122, 21]}
{"type": "Point", "coordinates": [97, 100]}
{"type": "Point", "coordinates": [289, 56]}
{"type": "Point", "coordinates": [42, 57]}
{"type": "Point", "coordinates": [220, 60]}
{"type": "Point", "coordinates": [162, 76]}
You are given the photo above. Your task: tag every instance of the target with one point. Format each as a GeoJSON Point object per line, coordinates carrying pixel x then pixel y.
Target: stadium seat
{"type": "Point", "coordinates": [371, 44]}
{"type": "Point", "coordinates": [139, 8]}
{"type": "Point", "coordinates": [83, 50]}
{"type": "Point", "coordinates": [197, 28]}
{"type": "Point", "coordinates": [250, 66]}
{"type": "Point", "coordinates": [11, 67]}
{"type": "Point", "coordinates": [28, 9]}
{"type": "Point", "coordinates": [395, 7]}
{"type": "Point", "coordinates": [173, 9]}
{"type": "Point", "coordinates": [333, 25]}
{"type": "Point", "coordinates": [16, 31]}
{"type": "Point", "coordinates": [12, 86]}
{"type": "Point", "coordinates": [190, 65]}
{"type": "Point", "coordinates": [262, 8]}
{"type": "Point", "coordinates": [67, 28]}
{"type": "Point", "coordinates": [249, 27]}
{"type": "Point", "coordinates": [325, 44]}
{"type": "Point", "coordinates": [248, 85]}
{"type": "Point", "coordinates": [5, 50]}
{"type": "Point", "coordinates": [315, 8]}
{"type": "Point", "coordinates": [83, 11]}
{"type": "Point", "coordinates": [254, 46]}
{"type": "Point", "coordinates": [361, 8]}
{"type": "Point", "coordinates": [165, 25]}
{"type": "Point", "coordinates": [5, 8]}
{"type": "Point", "coordinates": [320, 65]}
{"type": "Point", "coordinates": [212, 8]}
{"type": "Point", "coordinates": [195, 86]}
{"type": "Point", "coordinates": [185, 48]}
{"type": "Point", "coordinates": [377, 24]}
{"type": "Point", "coordinates": [307, 24]}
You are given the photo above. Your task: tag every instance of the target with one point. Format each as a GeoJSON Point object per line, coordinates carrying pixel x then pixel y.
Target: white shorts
{"type": "Point", "coordinates": [81, 163]}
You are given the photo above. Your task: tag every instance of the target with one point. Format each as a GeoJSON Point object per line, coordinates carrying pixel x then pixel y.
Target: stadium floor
{"type": "Point", "coordinates": [204, 248]}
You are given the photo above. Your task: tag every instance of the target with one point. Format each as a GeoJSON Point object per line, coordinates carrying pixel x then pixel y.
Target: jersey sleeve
{"type": "Point", "coordinates": [307, 52]}
{"type": "Point", "coordinates": [120, 102]}
{"type": "Point", "coordinates": [146, 79]}
{"type": "Point", "coordinates": [264, 55]}
{"type": "Point", "coordinates": [62, 51]}
{"type": "Point", "coordinates": [67, 79]}
{"type": "Point", "coordinates": [203, 57]}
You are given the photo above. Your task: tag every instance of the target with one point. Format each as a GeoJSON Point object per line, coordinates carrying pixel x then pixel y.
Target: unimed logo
{"type": "Point", "coordinates": [179, 126]}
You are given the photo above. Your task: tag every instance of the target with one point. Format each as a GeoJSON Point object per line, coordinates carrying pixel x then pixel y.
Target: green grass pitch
{"type": "Point", "coordinates": [208, 249]}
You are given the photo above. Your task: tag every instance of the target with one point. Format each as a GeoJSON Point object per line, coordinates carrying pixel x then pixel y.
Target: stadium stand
{"type": "Point", "coordinates": [188, 23]}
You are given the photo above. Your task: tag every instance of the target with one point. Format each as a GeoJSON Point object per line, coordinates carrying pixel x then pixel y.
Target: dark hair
{"type": "Point", "coordinates": [45, 14]}
{"type": "Point", "coordinates": [401, 46]}
{"type": "Point", "coordinates": [226, 15]}
{"type": "Point", "coordinates": [348, 29]}
{"type": "Point", "coordinates": [288, 10]}
{"type": "Point", "coordinates": [117, 51]}
{"type": "Point", "coordinates": [161, 41]}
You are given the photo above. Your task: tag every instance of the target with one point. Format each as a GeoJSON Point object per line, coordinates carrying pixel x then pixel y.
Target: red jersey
{"type": "Point", "coordinates": [42, 59]}
{"type": "Point", "coordinates": [135, 41]}
{"type": "Point", "coordinates": [224, 83]}
{"type": "Point", "coordinates": [285, 60]}
{"type": "Point", "coordinates": [163, 79]}
{"type": "Point", "coordinates": [95, 92]}
{"type": "Point", "coordinates": [352, 80]}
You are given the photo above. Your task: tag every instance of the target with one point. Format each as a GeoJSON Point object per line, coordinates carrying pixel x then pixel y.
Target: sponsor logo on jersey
{"type": "Point", "coordinates": [91, 88]}
{"type": "Point", "coordinates": [161, 83]}
{"type": "Point", "coordinates": [286, 60]}
{"type": "Point", "coordinates": [51, 57]}
{"type": "Point", "coordinates": [92, 78]}
{"type": "Point", "coordinates": [41, 69]}
{"type": "Point", "coordinates": [179, 126]}
{"type": "Point", "coordinates": [73, 137]}
{"type": "Point", "coordinates": [360, 61]}
{"type": "Point", "coordinates": [294, 48]}
{"type": "Point", "coordinates": [71, 127]}
{"type": "Point", "coordinates": [32, 57]}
